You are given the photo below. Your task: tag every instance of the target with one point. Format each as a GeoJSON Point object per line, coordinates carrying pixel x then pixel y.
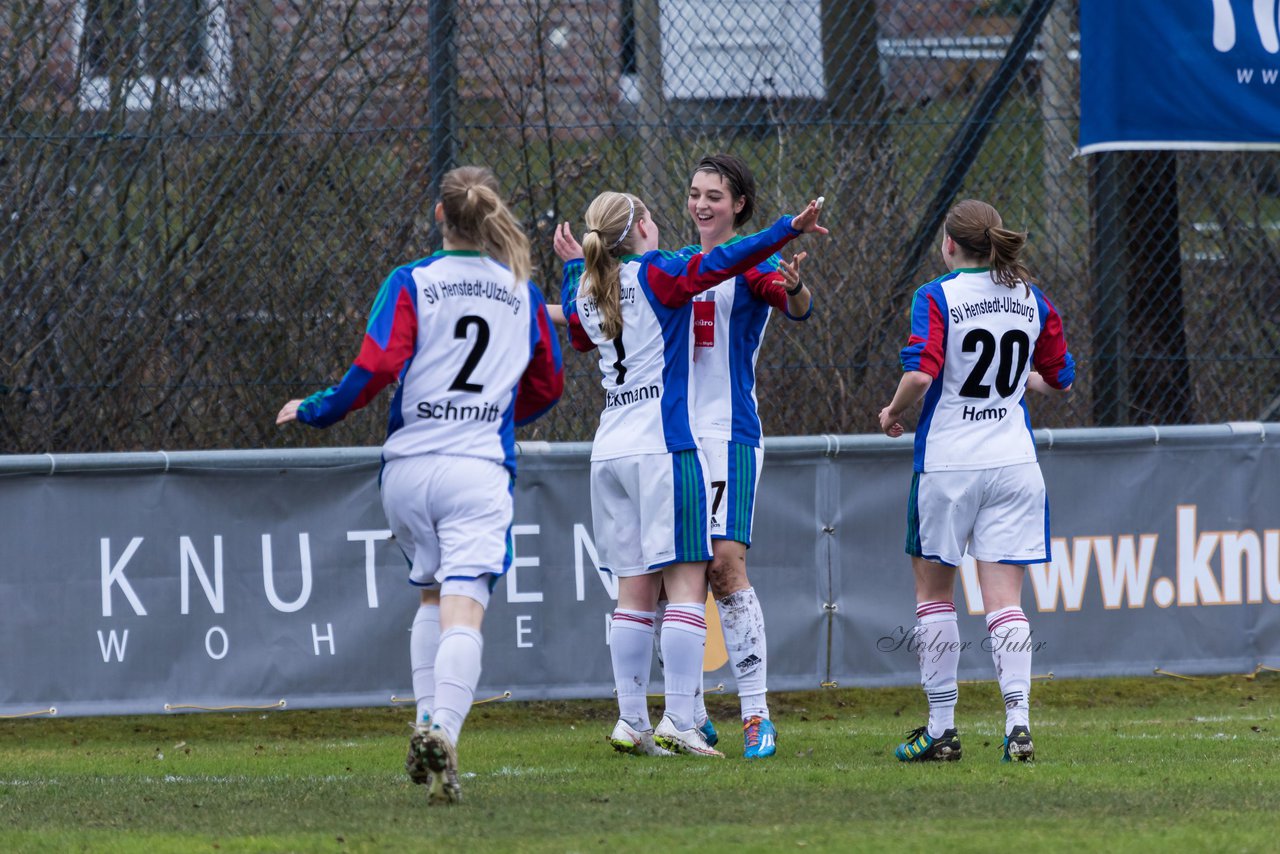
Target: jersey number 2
{"type": "Point", "coordinates": [461, 381]}
{"type": "Point", "coordinates": [1014, 349]}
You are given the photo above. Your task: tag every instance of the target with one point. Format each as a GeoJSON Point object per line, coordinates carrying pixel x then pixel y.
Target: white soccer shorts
{"type": "Point", "coordinates": [735, 475]}
{"type": "Point", "coordinates": [998, 515]}
{"type": "Point", "coordinates": [450, 515]}
{"type": "Point", "coordinates": [649, 511]}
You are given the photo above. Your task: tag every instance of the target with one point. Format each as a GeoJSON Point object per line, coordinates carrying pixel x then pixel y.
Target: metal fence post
{"type": "Point", "coordinates": [443, 82]}
{"type": "Point", "coordinates": [648, 29]}
{"type": "Point", "coordinates": [1110, 367]}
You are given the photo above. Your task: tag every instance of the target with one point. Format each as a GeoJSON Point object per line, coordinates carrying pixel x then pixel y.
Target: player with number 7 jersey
{"type": "Point", "coordinates": [649, 508]}
{"type": "Point", "coordinates": [646, 367]}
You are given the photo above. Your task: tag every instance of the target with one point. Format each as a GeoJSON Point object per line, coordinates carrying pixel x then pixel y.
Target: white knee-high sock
{"type": "Point", "coordinates": [631, 649]}
{"type": "Point", "coordinates": [1011, 651]}
{"type": "Point", "coordinates": [700, 699]}
{"type": "Point", "coordinates": [742, 621]}
{"type": "Point", "coordinates": [424, 639]}
{"type": "Point", "coordinates": [457, 674]}
{"type": "Point", "coordinates": [937, 639]}
{"type": "Point", "coordinates": [684, 637]}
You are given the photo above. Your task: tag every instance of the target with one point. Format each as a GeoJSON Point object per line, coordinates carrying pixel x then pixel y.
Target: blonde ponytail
{"type": "Point", "coordinates": [474, 212]}
{"type": "Point", "coordinates": [611, 233]}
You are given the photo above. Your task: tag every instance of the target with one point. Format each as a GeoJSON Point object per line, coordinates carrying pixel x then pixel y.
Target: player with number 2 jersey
{"type": "Point", "coordinates": [469, 339]}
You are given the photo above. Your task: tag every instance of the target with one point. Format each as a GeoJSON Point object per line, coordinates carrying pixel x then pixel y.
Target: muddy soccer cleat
{"type": "Point", "coordinates": [432, 749]}
{"type": "Point", "coordinates": [627, 739]}
{"type": "Point", "coordinates": [689, 741]}
{"type": "Point", "coordinates": [759, 738]}
{"type": "Point", "coordinates": [1018, 746]}
{"type": "Point", "coordinates": [415, 764]}
{"type": "Point", "coordinates": [922, 747]}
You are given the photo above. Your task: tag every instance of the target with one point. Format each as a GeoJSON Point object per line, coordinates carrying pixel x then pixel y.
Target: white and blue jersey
{"type": "Point", "coordinates": [473, 351]}
{"type": "Point", "coordinates": [979, 340]}
{"type": "Point", "coordinates": [729, 324]}
{"type": "Point", "coordinates": [646, 372]}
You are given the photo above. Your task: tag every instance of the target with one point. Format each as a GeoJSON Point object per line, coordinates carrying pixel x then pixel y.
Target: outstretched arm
{"type": "Point", "coordinates": [778, 283]}
{"type": "Point", "coordinates": [676, 279]}
{"type": "Point", "coordinates": [389, 340]}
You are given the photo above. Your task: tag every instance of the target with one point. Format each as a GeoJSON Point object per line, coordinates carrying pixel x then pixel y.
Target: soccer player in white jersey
{"type": "Point", "coordinates": [981, 335]}
{"type": "Point", "coordinates": [632, 303]}
{"type": "Point", "coordinates": [729, 324]}
{"type": "Point", "coordinates": [468, 337]}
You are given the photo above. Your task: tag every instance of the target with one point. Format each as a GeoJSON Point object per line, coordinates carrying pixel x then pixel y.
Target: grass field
{"type": "Point", "coordinates": [1123, 764]}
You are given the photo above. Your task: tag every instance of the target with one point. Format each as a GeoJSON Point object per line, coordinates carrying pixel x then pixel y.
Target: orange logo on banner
{"type": "Point", "coordinates": [715, 655]}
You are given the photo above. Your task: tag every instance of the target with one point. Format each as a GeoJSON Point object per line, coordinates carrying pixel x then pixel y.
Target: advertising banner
{"type": "Point", "coordinates": [1162, 75]}
{"type": "Point", "coordinates": [160, 583]}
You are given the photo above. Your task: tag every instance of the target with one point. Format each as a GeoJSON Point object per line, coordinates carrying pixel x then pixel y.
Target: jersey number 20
{"type": "Point", "coordinates": [1014, 349]}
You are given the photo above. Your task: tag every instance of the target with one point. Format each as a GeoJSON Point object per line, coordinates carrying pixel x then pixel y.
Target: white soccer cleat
{"type": "Point", "coordinates": [627, 739]}
{"type": "Point", "coordinates": [688, 741]}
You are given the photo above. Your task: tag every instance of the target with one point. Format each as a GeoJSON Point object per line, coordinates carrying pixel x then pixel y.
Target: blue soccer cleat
{"type": "Point", "coordinates": [922, 747]}
{"type": "Point", "coordinates": [759, 738]}
{"type": "Point", "coordinates": [709, 734]}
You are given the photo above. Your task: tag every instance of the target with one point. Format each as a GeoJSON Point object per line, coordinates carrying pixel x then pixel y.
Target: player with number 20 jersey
{"type": "Point", "coordinates": [977, 339]}
{"type": "Point", "coordinates": [981, 336]}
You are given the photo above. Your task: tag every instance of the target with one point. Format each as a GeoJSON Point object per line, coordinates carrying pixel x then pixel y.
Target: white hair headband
{"type": "Point", "coordinates": [625, 231]}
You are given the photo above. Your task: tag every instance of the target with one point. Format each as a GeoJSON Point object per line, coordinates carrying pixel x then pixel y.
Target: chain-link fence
{"type": "Point", "coordinates": [201, 197]}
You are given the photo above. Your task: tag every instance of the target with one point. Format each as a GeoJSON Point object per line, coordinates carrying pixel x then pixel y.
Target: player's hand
{"type": "Point", "coordinates": [791, 270]}
{"type": "Point", "coordinates": [289, 412]}
{"type": "Point", "coordinates": [566, 245]}
{"type": "Point", "coordinates": [889, 424]}
{"type": "Point", "coordinates": [807, 220]}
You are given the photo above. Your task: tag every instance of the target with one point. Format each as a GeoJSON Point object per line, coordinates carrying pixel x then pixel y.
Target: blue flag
{"type": "Point", "coordinates": [1179, 74]}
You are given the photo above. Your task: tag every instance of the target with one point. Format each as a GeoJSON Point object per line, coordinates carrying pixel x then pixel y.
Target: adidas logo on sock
{"type": "Point", "coordinates": [750, 661]}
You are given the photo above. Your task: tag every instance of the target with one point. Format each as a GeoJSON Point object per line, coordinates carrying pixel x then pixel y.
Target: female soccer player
{"type": "Point", "coordinates": [729, 323]}
{"type": "Point", "coordinates": [981, 335]}
{"type": "Point", "coordinates": [469, 339]}
{"type": "Point", "coordinates": [648, 476]}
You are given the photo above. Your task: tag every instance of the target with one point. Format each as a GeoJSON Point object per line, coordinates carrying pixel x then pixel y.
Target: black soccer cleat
{"type": "Point", "coordinates": [1018, 746]}
{"type": "Point", "coordinates": [922, 747]}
